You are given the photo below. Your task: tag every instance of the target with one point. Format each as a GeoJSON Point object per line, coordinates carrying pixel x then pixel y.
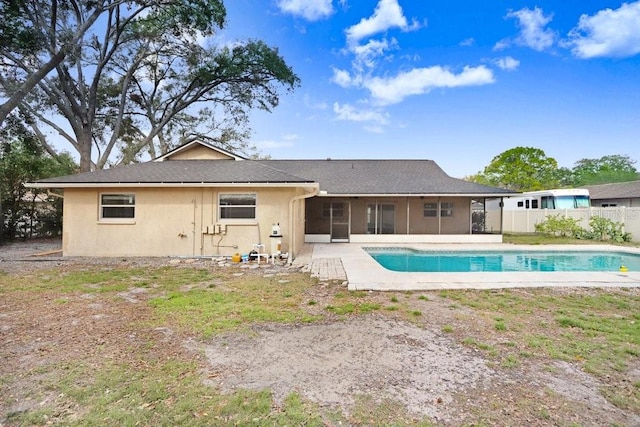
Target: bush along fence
{"type": "Point", "coordinates": [604, 222]}
{"type": "Point", "coordinates": [600, 228]}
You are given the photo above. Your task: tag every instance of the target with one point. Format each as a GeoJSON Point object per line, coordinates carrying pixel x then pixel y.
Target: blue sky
{"type": "Point", "coordinates": [458, 82]}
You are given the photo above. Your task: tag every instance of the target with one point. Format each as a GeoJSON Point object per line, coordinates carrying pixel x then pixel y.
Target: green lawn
{"type": "Point", "coordinates": [542, 239]}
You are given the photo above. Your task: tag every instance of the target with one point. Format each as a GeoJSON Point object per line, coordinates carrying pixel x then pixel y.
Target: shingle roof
{"type": "Point", "coordinates": [339, 177]}
{"type": "Point", "coordinates": [183, 171]}
{"type": "Point", "coordinates": [615, 190]}
{"type": "Point", "coordinates": [381, 177]}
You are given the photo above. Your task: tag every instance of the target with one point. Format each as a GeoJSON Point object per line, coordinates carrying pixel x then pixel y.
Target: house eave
{"type": "Point", "coordinates": [311, 185]}
{"type": "Point", "coordinates": [474, 195]}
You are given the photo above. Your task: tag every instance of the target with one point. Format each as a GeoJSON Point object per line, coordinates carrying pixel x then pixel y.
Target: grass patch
{"type": "Point", "coordinates": [167, 393]}
{"type": "Point", "coordinates": [511, 361]}
{"type": "Point", "coordinates": [104, 280]}
{"type": "Point", "coordinates": [242, 302]}
{"type": "Point", "coordinates": [354, 308]}
{"type": "Point", "coordinates": [368, 411]}
{"type": "Point", "coordinates": [599, 329]}
{"type": "Point", "coordinates": [472, 342]}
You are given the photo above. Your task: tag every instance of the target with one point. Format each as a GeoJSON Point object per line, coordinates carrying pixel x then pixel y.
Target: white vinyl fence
{"type": "Point", "coordinates": [524, 221]}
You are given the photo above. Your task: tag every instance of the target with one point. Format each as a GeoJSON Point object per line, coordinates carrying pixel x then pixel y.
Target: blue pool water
{"type": "Point", "coordinates": [405, 259]}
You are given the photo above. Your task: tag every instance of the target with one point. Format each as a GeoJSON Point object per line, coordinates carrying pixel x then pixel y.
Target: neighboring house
{"type": "Point", "coordinates": [199, 200]}
{"type": "Point", "coordinates": [616, 194]}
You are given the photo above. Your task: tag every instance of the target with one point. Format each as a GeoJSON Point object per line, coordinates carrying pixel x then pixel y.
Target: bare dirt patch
{"type": "Point", "coordinates": [381, 355]}
{"type": "Point", "coordinates": [332, 363]}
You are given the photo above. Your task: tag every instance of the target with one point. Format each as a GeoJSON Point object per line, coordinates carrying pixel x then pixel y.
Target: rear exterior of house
{"type": "Point", "coordinates": [179, 221]}
{"type": "Point", "coordinates": [390, 201]}
{"type": "Point", "coordinates": [199, 200]}
{"type": "Point", "coordinates": [362, 219]}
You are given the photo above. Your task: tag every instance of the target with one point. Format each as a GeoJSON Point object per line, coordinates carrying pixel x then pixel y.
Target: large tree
{"type": "Point", "coordinates": [144, 81]}
{"type": "Point", "coordinates": [611, 168]}
{"type": "Point", "coordinates": [520, 169]}
{"type": "Point", "coordinates": [28, 52]}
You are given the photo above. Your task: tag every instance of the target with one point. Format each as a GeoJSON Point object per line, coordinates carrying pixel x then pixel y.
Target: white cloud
{"type": "Point", "coordinates": [468, 42]}
{"type": "Point", "coordinates": [507, 63]}
{"type": "Point", "coordinates": [341, 78]}
{"type": "Point", "coordinates": [502, 44]}
{"type": "Point", "coordinates": [312, 10]}
{"type": "Point", "coordinates": [608, 33]}
{"type": "Point", "coordinates": [533, 34]}
{"type": "Point", "coordinates": [366, 55]}
{"type": "Point", "coordinates": [348, 112]}
{"type": "Point", "coordinates": [388, 14]}
{"type": "Point", "coordinates": [392, 90]}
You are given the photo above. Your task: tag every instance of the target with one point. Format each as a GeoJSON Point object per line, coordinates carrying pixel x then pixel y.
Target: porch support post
{"type": "Point", "coordinates": [407, 214]}
{"type": "Point", "coordinates": [439, 218]}
{"type": "Point", "coordinates": [470, 216]}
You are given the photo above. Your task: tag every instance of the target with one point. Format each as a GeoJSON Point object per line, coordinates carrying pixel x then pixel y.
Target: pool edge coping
{"type": "Point", "coordinates": [364, 273]}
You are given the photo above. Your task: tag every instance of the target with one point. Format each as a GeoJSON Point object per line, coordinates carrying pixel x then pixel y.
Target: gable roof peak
{"type": "Point", "coordinates": [178, 151]}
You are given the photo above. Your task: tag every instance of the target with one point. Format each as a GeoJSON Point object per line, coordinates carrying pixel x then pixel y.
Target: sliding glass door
{"type": "Point", "coordinates": [381, 218]}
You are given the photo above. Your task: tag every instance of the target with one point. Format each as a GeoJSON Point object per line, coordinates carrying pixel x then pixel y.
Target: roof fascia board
{"type": "Point", "coordinates": [174, 185]}
{"type": "Point", "coordinates": [323, 194]}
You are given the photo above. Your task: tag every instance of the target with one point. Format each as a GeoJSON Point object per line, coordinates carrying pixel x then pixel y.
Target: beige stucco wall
{"type": "Point", "coordinates": [171, 221]}
{"type": "Point", "coordinates": [298, 209]}
{"type": "Point", "coordinates": [199, 152]}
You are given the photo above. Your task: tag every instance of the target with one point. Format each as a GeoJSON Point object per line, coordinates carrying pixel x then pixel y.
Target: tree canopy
{"type": "Point", "coordinates": [529, 169]}
{"type": "Point", "coordinates": [145, 79]}
{"type": "Point", "coordinates": [520, 169]}
{"type": "Point", "coordinates": [22, 159]}
{"type": "Point", "coordinates": [28, 52]}
{"type": "Point", "coordinates": [613, 168]}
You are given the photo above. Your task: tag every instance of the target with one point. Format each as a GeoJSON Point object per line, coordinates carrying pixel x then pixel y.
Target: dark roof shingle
{"type": "Point", "coordinates": [614, 190]}
{"type": "Point", "coordinates": [183, 171]}
{"type": "Point", "coordinates": [381, 177]}
{"type": "Point", "coordinates": [339, 177]}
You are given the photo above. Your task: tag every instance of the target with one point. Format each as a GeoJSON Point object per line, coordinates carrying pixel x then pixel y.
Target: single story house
{"type": "Point", "coordinates": [615, 194]}
{"type": "Point", "coordinates": [200, 200]}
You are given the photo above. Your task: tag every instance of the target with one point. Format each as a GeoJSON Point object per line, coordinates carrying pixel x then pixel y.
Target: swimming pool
{"type": "Point", "coordinates": [411, 260]}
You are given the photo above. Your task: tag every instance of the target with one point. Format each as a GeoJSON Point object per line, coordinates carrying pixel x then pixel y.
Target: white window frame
{"type": "Point", "coordinates": [236, 220]}
{"type": "Point", "coordinates": [116, 220]}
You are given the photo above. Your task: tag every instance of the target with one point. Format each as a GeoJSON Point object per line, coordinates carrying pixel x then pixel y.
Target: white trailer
{"type": "Point", "coordinates": [562, 198]}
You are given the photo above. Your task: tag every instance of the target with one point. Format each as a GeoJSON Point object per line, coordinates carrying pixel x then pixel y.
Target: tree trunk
{"type": "Point", "coordinates": [84, 143]}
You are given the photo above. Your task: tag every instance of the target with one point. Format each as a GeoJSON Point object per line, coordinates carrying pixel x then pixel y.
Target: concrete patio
{"type": "Point", "coordinates": [349, 262]}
